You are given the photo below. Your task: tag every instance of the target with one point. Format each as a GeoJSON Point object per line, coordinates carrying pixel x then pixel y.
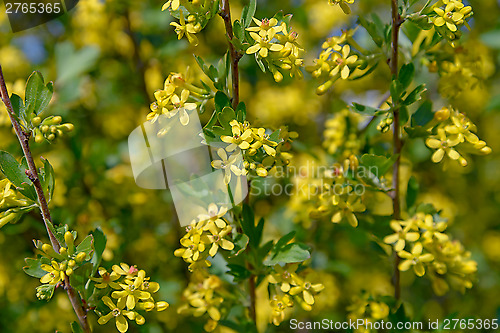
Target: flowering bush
{"type": "Point", "coordinates": [367, 141]}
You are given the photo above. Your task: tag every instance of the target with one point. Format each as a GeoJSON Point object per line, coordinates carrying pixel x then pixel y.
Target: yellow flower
{"type": "Point", "coordinates": [188, 29]}
{"type": "Point", "coordinates": [266, 27]}
{"type": "Point", "coordinates": [206, 303]}
{"type": "Point", "coordinates": [433, 229]}
{"type": "Point", "coordinates": [132, 292]}
{"type": "Point", "coordinates": [242, 136]}
{"type": "Point", "coordinates": [118, 311]}
{"type": "Point", "coordinates": [262, 140]}
{"type": "Point", "coordinates": [263, 44]}
{"type": "Point", "coordinates": [128, 271]}
{"type": "Point", "coordinates": [401, 236]}
{"type": "Point", "coordinates": [342, 62]}
{"type": "Point", "coordinates": [443, 144]}
{"type": "Point", "coordinates": [415, 259]}
{"type": "Point", "coordinates": [347, 208]}
{"type": "Point", "coordinates": [193, 246]}
{"type": "Point", "coordinates": [307, 289]}
{"type": "Point", "coordinates": [213, 216]}
{"type": "Point", "coordinates": [279, 304]}
{"type": "Point", "coordinates": [462, 127]}
{"type": "Point", "coordinates": [450, 16]}
{"type": "Point", "coordinates": [107, 279]}
{"type": "Point", "coordinates": [173, 4]}
{"type": "Point", "coordinates": [55, 273]}
{"type": "Point", "coordinates": [285, 276]}
{"type": "Point", "coordinates": [228, 165]}
{"type": "Point", "coordinates": [217, 239]}
{"type": "Point", "coordinates": [181, 107]}
{"type": "Point", "coordinates": [344, 4]}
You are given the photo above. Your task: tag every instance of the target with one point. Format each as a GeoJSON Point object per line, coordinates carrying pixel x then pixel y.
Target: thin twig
{"type": "Point", "coordinates": [225, 13]}
{"type": "Point", "coordinates": [396, 24]}
{"type": "Point", "coordinates": [43, 205]}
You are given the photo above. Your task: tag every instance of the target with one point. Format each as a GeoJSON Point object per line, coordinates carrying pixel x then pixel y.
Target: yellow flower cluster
{"type": "Point", "coordinates": [11, 200]}
{"type": "Point", "coordinates": [432, 251]}
{"type": "Point", "coordinates": [368, 308]}
{"type": "Point", "coordinates": [453, 130]}
{"type": "Point", "coordinates": [62, 263]}
{"type": "Point", "coordinates": [193, 16]}
{"type": "Point", "coordinates": [344, 5]}
{"type": "Point", "coordinates": [450, 15]}
{"type": "Point", "coordinates": [275, 42]}
{"type": "Point", "coordinates": [470, 66]}
{"type": "Point", "coordinates": [338, 197]}
{"type": "Point", "coordinates": [204, 295]}
{"type": "Point", "coordinates": [133, 292]}
{"type": "Point", "coordinates": [177, 98]}
{"type": "Point", "coordinates": [204, 237]}
{"type": "Point", "coordinates": [340, 137]}
{"type": "Point", "coordinates": [262, 152]}
{"type": "Point", "coordinates": [336, 60]}
{"type": "Point", "coordinates": [292, 285]}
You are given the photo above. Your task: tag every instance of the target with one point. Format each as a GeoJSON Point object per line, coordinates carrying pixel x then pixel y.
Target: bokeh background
{"type": "Point", "coordinates": [108, 57]}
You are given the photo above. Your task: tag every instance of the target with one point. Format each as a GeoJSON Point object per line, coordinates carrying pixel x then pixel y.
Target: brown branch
{"type": "Point", "coordinates": [396, 204]}
{"type": "Point", "coordinates": [225, 13]}
{"type": "Point", "coordinates": [43, 205]}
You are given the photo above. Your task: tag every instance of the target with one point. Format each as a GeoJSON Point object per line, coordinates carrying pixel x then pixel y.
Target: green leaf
{"type": "Point", "coordinates": [397, 90]}
{"type": "Point", "coordinates": [246, 15]}
{"type": "Point", "coordinates": [248, 225]}
{"type": "Point", "coordinates": [18, 106]}
{"type": "Point", "coordinates": [367, 110]}
{"type": "Point", "coordinates": [415, 95]}
{"type": "Point", "coordinates": [381, 163]}
{"type": "Point", "coordinates": [406, 74]}
{"type": "Point", "coordinates": [76, 328]}
{"type": "Point", "coordinates": [47, 179]}
{"type": "Point", "coordinates": [412, 192]}
{"type": "Point", "coordinates": [423, 115]}
{"type": "Point", "coordinates": [80, 276]}
{"type": "Point", "coordinates": [290, 253]}
{"type": "Point", "coordinates": [260, 63]}
{"type": "Point", "coordinates": [221, 101]}
{"type": "Point", "coordinates": [240, 244]}
{"type": "Point", "coordinates": [16, 173]}
{"type": "Point", "coordinates": [86, 246]}
{"type": "Point", "coordinates": [373, 29]}
{"type": "Point", "coordinates": [100, 241]}
{"type": "Point", "coordinates": [38, 95]}
{"type": "Point", "coordinates": [34, 268]}
{"type": "Point", "coordinates": [416, 132]}
{"type": "Point", "coordinates": [241, 112]}
{"type": "Point", "coordinates": [225, 117]}
{"type": "Point", "coordinates": [239, 272]}
{"type": "Point", "coordinates": [239, 32]}
{"type": "Point", "coordinates": [404, 116]}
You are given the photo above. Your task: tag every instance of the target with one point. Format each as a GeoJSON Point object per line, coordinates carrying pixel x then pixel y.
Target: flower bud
{"type": "Point", "coordinates": [161, 306]}
{"type": "Point", "coordinates": [44, 129]}
{"type": "Point", "coordinates": [49, 250]}
{"type": "Point", "coordinates": [69, 240]}
{"type": "Point", "coordinates": [485, 150]}
{"type": "Point", "coordinates": [51, 137]}
{"type": "Point", "coordinates": [36, 121]}
{"type": "Point", "coordinates": [278, 77]}
{"type": "Point", "coordinates": [71, 263]}
{"type": "Point", "coordinates": [69, 271]}
{"type": "Point", "coordinates": [53, 129]}
{"type": "Point", "coordinates": [68, 127]}
{"type": "Point", "coordinates": [56, 120]}
{"type": "Point", "coordinates": [324, 87]}
{"type": "Point", "coordinates": [442, 114]}
{"type": "Point", "coordinates": [63, 251]}
{"type": "Point", "coordinates": [140, 320]}
{"type": "Point", "coordinates": [80, 257]}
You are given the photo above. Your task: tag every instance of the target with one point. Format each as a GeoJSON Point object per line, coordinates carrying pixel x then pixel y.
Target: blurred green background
{"type": "Point", "coordinates": [107, 58]}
